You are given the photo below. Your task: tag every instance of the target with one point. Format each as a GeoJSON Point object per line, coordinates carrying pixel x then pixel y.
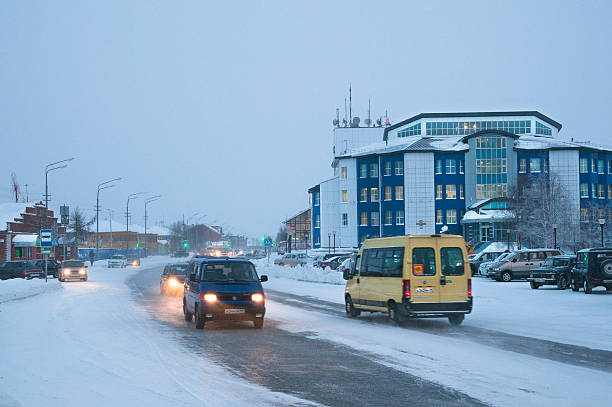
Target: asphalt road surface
{"type": "Point", "coordinates": [316, 370]}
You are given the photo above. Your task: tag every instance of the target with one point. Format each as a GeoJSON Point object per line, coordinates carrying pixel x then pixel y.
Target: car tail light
{"type": "Point", "coordinates": [324, 265]}
{"type": "Point", "coordinates": [469, 287]}
{"type": "Point", "coordinates": [406, 286]}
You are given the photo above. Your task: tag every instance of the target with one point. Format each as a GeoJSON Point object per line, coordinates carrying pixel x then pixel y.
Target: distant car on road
{"type": "Point", "coordinates": [53, 266]}
{"type": "Point", "coordinates": [73, 270]}
{"type": "Point", "coordinates": [593, 269]}
{"type": "Point", "coordinates": [173, 278]}
{"type": "Point", "coordinates": [133, 260]}
{"type": "Point", "coordinates": [118, 260]}
{"type": "Point", "coordinates": [556, 270]}
{"type": "Point", "coordinates": [20, 269]}
{"type": "Point", "coordinates": [180, 253]}
{"type": "Point", "coordinates": [292, 260]}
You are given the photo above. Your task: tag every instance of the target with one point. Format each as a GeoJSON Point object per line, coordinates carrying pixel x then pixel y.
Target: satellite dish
{"type": "Point", "coordinates": [355, 122]}
{"type": "Point", "coordinates": [336, 122]}
{"type": "Point", "coordinates": [444, 229]}
{"type": "Point", "coordinates": [367, 122]}
{"type": "Point", "coordinates": [379, 122]}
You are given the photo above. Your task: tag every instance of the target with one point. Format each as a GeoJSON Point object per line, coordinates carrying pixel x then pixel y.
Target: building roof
{"type": "Point", "coordinates": [11, 210]}
{"type": "Point", "coordinates": [419, 116]}
{"type": "Point", "coordinates": [296, 215]}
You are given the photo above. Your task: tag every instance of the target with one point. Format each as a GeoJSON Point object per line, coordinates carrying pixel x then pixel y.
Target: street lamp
{"type": "Point", "coordinates": [127, 218]}
{"type": "Point", "coordinates": [602, 221]}
{"type": "Point", "coordinates": [48, 169]}
{"type": "Point", "coordinates": [334, 232]}
{"type": "Point", "coordinates": [147, 201]}
{"type": "Point", "coordinates": [329, 242]}
{"type": "Point", "coordinates": [554, 226]}
{"type": "Point", "coordinates": [101, 186]}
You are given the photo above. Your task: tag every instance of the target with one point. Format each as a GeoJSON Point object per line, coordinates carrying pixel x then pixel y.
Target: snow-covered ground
{"type": "Point", "coordinates": [19, 288]}
{"type": "Point", "coordinates": [88, 343]}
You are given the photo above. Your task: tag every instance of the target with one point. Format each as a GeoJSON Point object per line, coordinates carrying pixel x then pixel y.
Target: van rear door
{"type": "Point", "coordinates": [424, 279]}
{"type": "Point", "coordinates": [453, 279]}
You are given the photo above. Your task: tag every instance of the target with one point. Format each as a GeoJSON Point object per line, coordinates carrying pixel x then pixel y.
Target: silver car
{"type": "Point", "coordinates": [292, 260]}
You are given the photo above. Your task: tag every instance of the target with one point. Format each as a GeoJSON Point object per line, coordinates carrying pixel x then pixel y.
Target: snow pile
{"type": "Point", "coordinates": [18, 288]}
{"type": "Point", "coordinates": [300, 273]}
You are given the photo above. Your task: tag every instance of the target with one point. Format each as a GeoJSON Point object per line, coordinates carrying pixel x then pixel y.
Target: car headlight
{"type": "Point", "coordinates": [134, 263]}
{"type": "Point", "coordinates": [66, 272]}
{"type": "Point", "coordinates": [257, 297]}
{"type": "Point", "coordinates": [82, 271]}
{"type": "Point", "coordinates": [173, 283]}
{"type": "Point", "coordinates": [209, 297]}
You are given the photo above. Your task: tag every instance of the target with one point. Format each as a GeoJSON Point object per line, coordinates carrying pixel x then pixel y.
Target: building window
{"type": "Point", "coordinates": [451, 191]}
{"type": "Point", "coordinates": [374, 194]}
{"type": "Point", "coordinates": [364, 219]}
{"type": "Point", "coordinates": [600, 167]}
{"type": "Point", "coordinates": [317, 221]}
{"type": "Point", "coordinates": [438, 191]}
{"type": "Point", "coordinates": [584, 190]}
{"type": "Point", "coordinates": [451, 216]}
{"type": "Point", "coordinates": [461, 194]}
{"type": "Point", "coordinates": [399, 192]}
{"type": "Point", "coordinates": [317, 198]}
{"type": "Point", "coordinates": [387, 168]}
{"type": "Point", "coordinates": [610, 167]}
{"type": "Point", "coordinates": [535, 165]}
{"type": "Point", "coordinates": [491, 167]}
{"type": "Point", "coordinates": [594, 166]}
{"type": "Point", "coordinates": [388, 218]}
{"type": "Point", "coordinates": [344, 195]}
{"type": "Point", "coordinates": [546, 165]}
{"type": "Point", "coordinates": [438, 167]}
{"type": "Point", "coordinates": [461, 170]}
{"type": "Point", "coordinates": [584, 166]}
{"type": "Point", "coordinates": [451, 167]}
{"type": "Point", "coordinates": [373, 170]}
{"type": "Point", "coordinates": [399, 168]}
{"type": "Point", "coordinates": [343, 172]}
{"type": "Point", "coordinates": [375, 219]}
{"type": "Point", "coordinates": [584, 215]}
{"type": "Point", "coordinates": [399, 217]}
{"type": "Point", "coordinates": [363, 195]}
{"type": "Point", "coordinates": [593, 191]}
{"type": "Point", "coordinates": [414, 130]}
{"type": "Point", "coordinates": [523, 166]}
{"type": "Point", "coordinates": [23, 252]}
{"type": "Point", "coordinates": [610, 191]}
{"type": "Point", "coordinates": [543, 129]}
{"type": "Point", "coordinates": [465, 128]}
{"type": "Point", "coordinates": [601, 191]}
{"type": "Point", "coordinates": [345, 219]}
{"type": "Point", "coordinates": [388, 193]}
{"type": "Point", "coordinates": [439, 219]}
{"type": "Point", "coordinates": [363, 171]}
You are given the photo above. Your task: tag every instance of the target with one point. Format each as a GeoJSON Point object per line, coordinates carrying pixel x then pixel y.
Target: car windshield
{"type": "Point", "coordinates": [228, 271]}
{"type": "Point", "coordinates": [501, 257]}
{"type": "Point", "coordinates": [73, 264]}
{"type": "Point", "coordinates": [178, 269]}
{"type": "Point", "coordinates": [118, 256]}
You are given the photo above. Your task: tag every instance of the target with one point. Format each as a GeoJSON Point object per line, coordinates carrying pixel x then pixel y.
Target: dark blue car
{"type": "Point", "coordinates": [223, 289]}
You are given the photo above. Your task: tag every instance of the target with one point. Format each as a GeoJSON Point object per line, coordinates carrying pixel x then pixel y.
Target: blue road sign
{"type": "Point", "coordinates": [46, 237]}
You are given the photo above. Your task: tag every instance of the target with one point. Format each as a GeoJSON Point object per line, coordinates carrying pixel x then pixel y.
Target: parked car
{"type": "Point", "coordinates": [20, 269]}
{"type": "Point", "coordinates": [53, 266]}
{"type": "Point", "coordinates": [118, 260]}
{"type": "Point", "coordinates": [133, 260]}
{"type": "Point", "coordinates": [482, 257]}
{"type": "Point", "coordinates": [292, 260]}
{"type": "Point", "coordinates": [223, 289]}
{"type": "Point", "coordinates": [173, 278]}
{"type": "Point", "coordinates": [346, 264]}
{"type": "Point", "coordinates": [485, 266]}
{"type": "Point", "coordinates": [73, 270]}
{"type": "Point", "coordinates": [334, 262]}
{"type": "Point", "coordinates": [593, 269]}
{"type": "Point", "coordinates": [318, 262]}
{"type": "Point", "coordinates": [518, 264]}
{"type": "Point", "coordinates": [556, 270]}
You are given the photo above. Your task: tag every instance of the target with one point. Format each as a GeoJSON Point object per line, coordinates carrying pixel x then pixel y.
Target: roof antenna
{"type": "Point", "coordinates": [350, 102]}
{"type": "Point", "coordinates": [369, 119]}
{"type": "Point", "coordinates": [345, 121]}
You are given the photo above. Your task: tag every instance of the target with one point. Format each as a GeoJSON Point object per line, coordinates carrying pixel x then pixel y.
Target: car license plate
{"type": "Point", "coordinates": [424, 290]}
{"type": "Point", "coordinates": [539, 280]}
{"type": "Point", "coordinates": [234, 310]}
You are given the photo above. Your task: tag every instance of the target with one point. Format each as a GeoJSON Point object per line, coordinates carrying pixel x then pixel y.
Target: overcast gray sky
{"type": "Point", "coordinates": [226, 108]}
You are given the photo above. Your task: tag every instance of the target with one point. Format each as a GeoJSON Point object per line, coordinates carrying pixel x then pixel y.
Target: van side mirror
{"type": "Point", "coordinates": [347, 274]}
{"type": "Point", "coordinates": [263, 278]}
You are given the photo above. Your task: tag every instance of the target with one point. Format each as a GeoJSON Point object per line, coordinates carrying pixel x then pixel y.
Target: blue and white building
{"type": "Point", "coordinates": [454, 170]}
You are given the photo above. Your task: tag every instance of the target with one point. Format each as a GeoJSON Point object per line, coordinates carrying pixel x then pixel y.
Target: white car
{"type": "Point", "coordinates": [346, 265]}
{"type": "Point", "coordinates": [118, 260]}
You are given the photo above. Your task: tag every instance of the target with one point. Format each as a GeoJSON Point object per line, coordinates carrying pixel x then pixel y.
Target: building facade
{"type": "Point", "coordinates": [299, 230]}
{"type": "Point", "coordinates": [453, 171]}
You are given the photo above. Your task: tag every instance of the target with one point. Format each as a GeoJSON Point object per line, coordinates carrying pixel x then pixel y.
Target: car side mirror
{"type": "Point", "coordinates": [86, 266]}
{"type": "Point", "coordinates": [347, 274]}
{"type": "Point", "coordinates": [513, 260]}
{"type": "Point", "coordinates": [263, 279]}
{"type": "Point", "coordinates": [192, 277]}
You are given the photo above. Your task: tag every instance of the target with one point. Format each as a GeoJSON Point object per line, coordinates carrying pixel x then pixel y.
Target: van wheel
{"type": "Point", "coordinates": [258, 323]}
{"type": "Point", "coordinates": [506, 277]}
{"type": "Point", "coordinates": [200, 320]}
{"type": "Point", "coordinates": [188, 315]}
{"type": "Point", "coordinates": [393, 314]}
{"type": "Point", "coordinates": [575, 286]}
{"type": "Point", "coordinates": [562, 282]}
{"type": "Point", "coordinates": [456, 319]}
{"type": "Point", "coordinates": [588, 287]}
{"type": "Point", "coordinates": [534, 285]}
{"type": "Point", "coordinates": [351, 312]}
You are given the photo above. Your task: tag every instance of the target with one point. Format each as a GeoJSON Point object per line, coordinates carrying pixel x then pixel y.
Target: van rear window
{"type": "Point", "coordinates": [452, 261]}
{"type": "Point", "coordinates": [423, 261]}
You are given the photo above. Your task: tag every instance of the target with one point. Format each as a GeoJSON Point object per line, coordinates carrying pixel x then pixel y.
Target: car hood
{"type": "Point", "coordinates": [238, 287]}
{"type": "Point", "coordinates": [549, 269]}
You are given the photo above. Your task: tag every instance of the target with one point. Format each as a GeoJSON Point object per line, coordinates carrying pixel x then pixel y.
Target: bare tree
{"type": "Point", "coordinates": [79, 226]}
{"type": "Point", "coordinates": [281, 235]}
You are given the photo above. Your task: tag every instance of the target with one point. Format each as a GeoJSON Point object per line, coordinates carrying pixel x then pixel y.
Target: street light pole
{"type": "Point", "coordinates": [601, 225]}
{"type": "Point", "coordinates": [147, 201]}
{"type": "Point", "coordinates": [101, 186]}
{"type": "Point", "coordinates": [127, 218]}
{"type": "Point", "coordinates": [334, 241]}
{"type": "Point", "coordinates": [328, 242]}
{"type": "Point", "coordinates": [554, 226]}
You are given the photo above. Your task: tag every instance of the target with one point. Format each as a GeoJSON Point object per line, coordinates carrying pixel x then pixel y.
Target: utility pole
{"type": "Point", "coordinates": [147, 201]}
{"type": "Point", "coordinates": [127, 218]}
{"type": "Point", "coordinates": [110, 223]}
{"type": "Point", "coordinates": [101, 186]}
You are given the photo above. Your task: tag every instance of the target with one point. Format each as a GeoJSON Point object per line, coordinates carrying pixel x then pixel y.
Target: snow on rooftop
{"type": "Point", "coordinates": [11, 210]}
{"type": "Point", "coordinates": [494, 214]}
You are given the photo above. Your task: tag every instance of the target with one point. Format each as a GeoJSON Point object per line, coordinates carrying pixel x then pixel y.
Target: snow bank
{"type": "Point", "coordinates": [18, 288]}
{"type": "Point", "coordinates": [305, 273]}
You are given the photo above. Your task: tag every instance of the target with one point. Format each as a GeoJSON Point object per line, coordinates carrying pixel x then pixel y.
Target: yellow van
{"type": "Point", "coordinates": [423, 276]}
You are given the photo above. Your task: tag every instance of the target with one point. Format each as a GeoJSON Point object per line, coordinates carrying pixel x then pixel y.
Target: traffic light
{"type": "Point", "coordinates": [185, 244]}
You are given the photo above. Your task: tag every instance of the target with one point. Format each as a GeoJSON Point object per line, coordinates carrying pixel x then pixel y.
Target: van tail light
{"type": "Point", "coordinates": [406, 285]}
{"type": "Point", "coordinates": [469, 287]}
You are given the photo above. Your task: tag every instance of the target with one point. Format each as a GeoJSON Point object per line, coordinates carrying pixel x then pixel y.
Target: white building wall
{"type": "Point", "coordinates": [350, 138]}
{"type": "Point", "coordinates": [564, 164]}
{"type": "Point", "coordinates": [419, 192]}
{"type": "Point", "coordinates": [346, 236]}
{"type": "Point", "coordinates": [329, 208]}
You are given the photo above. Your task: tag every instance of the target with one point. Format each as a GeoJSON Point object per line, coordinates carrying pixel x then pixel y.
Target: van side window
{"type": "Point", "coordinates": [372, 263]}
{"type": "Point", "coordinates": [452, 261]}
{"type": "Point", "coordinates": [383, 262]}
{"type": "Point", "coordinates": [423, 261]}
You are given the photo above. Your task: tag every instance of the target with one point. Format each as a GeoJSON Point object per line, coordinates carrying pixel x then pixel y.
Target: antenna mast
{"type": "Point", "coordinates": [369, 119]}
{"type": "Point", "coordinates": [350, 102]}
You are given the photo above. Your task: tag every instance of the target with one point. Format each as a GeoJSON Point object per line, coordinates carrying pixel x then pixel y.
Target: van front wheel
{"type": "Point", "coordinates": [456, 319]}
{"type": "Point", "coordinates": [351, 312]}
